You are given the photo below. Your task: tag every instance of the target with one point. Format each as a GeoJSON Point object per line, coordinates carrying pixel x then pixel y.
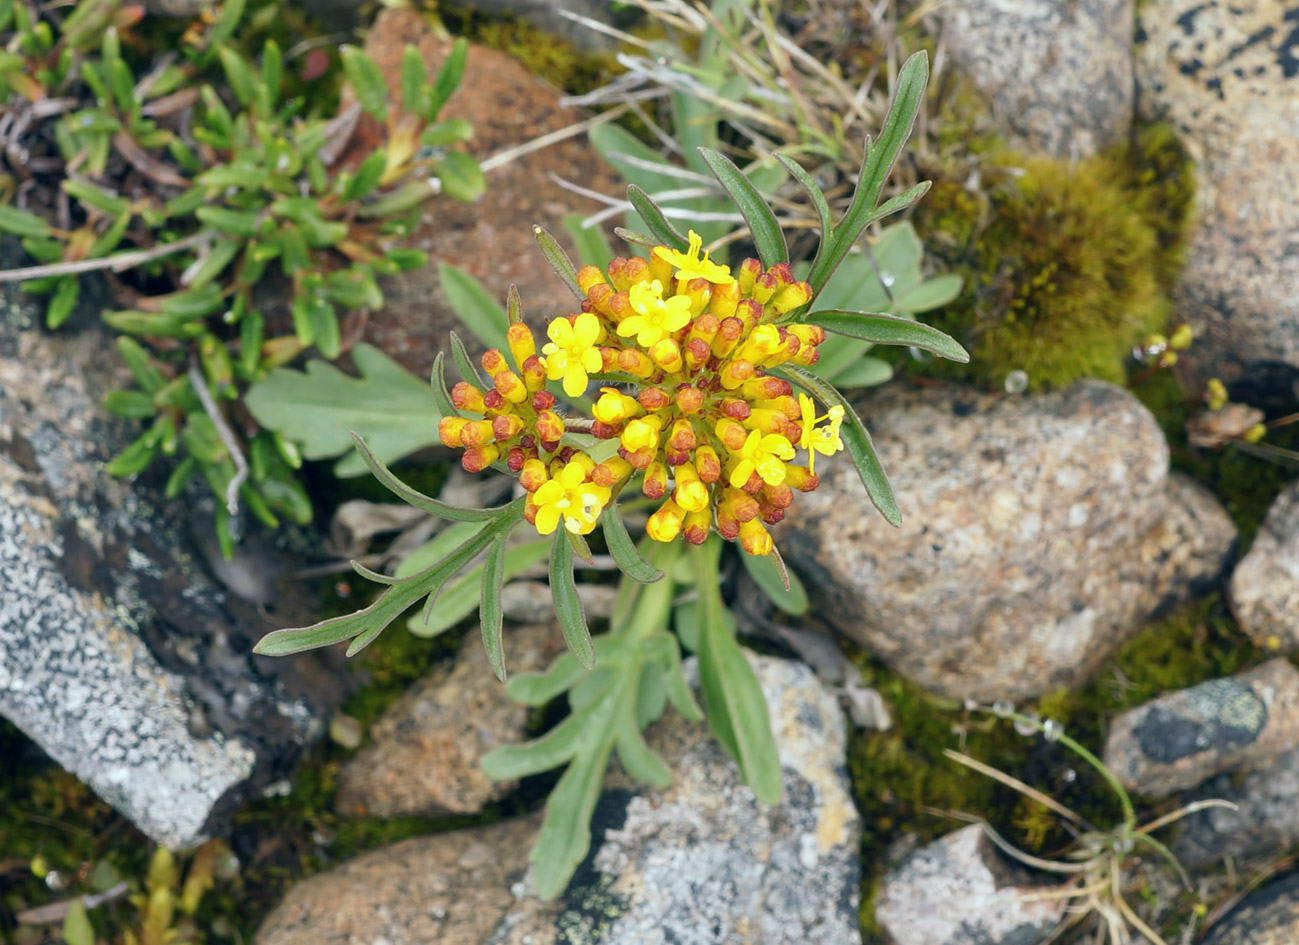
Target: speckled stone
{"type": "Point", "coordinates": [1058, 72]}
{"type": "Point", "coordinates": [1226, 74]}
{"type": "Point", "coordinates": [1265, 821]}
{"type": "Point", "coordinates": [426, 748]}
{"type": "Point", "coordinates": [1178, 740]}
{"type": "Point", "coordinates": [1037, 533]}
{"type": "Point", "coordinates": [959, 891]}
{"type": "Point", "coordinates": [1264, 587]}
{"type": "Point", "coordinates": [118, 655]}
{"type": "Point", "coordinates": [1269, 916]}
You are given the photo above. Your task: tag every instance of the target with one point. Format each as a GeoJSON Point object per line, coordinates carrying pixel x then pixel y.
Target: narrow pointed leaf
{"type": "Point", "coordinates": [558, 260]}
{"type": "Point", "coordinates": [565, 836]}
{"type": "Point", "coordinates": [541, 754]}
{"type": "Point", "coordinates": [539, 688]}
{"type": "Point", "coordinates": [474, 306]}
{"type": "Point", "coordinates": [889, 330]}
{"type": "Point", "coordinates": [777, 582]}
{"type": "Point", "coordinates": [464, 364]}
{"type": "Point", "coordinates": [568, 608]}
{"type": "Point", "coordinates": [813, 191]}
{"type": "Point", "coordinates": [660, 229]}
{"type": "Point", "coordinates": [418, 499]}
{"type": "Point", "coordinates": [438, 381]}
{"type": "Point", "coordinates": [636, 756]}
{"type": "Point", "coordinates": [856, 439]}
{"type": "Point", "coordinates": [624, 550]}
{"type": "Point", "coordinates": [491, 616]}
{"type": "Point", "coordinates": [367, 82]}
{"type": "Point", "coordinates": [763, 225]}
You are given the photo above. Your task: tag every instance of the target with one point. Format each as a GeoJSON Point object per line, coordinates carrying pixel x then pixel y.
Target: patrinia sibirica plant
{"type": "Point", "coordinates": [689, 384]}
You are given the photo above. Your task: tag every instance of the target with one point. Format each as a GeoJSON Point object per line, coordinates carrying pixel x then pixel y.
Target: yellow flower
{"type": "Point", "coordinates": [655, 316]}
{"type": "Point", "coordinates": [690, 266]}
{"type": "Point", "coordinates": [763, 454]}
{"type": "Point", "coordinates": [641, 434]}
{"type": "Point", "coordinates": [816, 439]}
{"type": "Point", "coordinates": [571, 354]}
{"type": "Point", "coordinates": [569, 496]}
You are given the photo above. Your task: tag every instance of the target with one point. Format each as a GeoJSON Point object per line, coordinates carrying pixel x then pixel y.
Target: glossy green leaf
{"type": "Point", "coordinates": [130, 404]}
{"type": "Point", "coordinates": [100, 199]}
{"type": "Point", "coordinates": [764, 228]}
{"type": "Point", "coordinates": [239, 76]}
{"type": "Point", "coordinates": [568, 607]}
{"type": "Point", "coordinates": [22, 223]}
{"type": "Point", "coordinates": [142, 365]}
{"type": "Point", "coordinates": [889, 330]}
{"type": "Point", "coordinates": [447, 132]}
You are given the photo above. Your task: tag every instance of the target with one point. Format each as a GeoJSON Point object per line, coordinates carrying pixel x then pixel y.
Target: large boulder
{"type": "Point", "coordinates": [1224, 74]}
{"type": "Point", "coordinates": [1264, 587]}
{"type": "Point", "coordinates": [119, 656]}
{"type": "Point", "coordinates": [1037, 532]}
{"type": "Point", "coordinates": [1058, 72]}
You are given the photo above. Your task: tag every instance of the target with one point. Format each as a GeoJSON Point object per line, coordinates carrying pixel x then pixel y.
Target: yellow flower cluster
{"type": "Point", "coordinates": [712, 433]}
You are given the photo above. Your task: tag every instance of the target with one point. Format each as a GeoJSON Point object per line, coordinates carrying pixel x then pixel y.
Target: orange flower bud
{"type": "Point", "coordinates": [493, 361]}
{"type": "Point", "coordinates": [476, 433]}
{"type": "Point", "coordinates": [806, 356]}
{"type": "Point", "coordinates": [783, 273]}
{"type": "Point", "coordinates": [728, 336]}
{"type": "Point", "coordinates": [534, 374]}
{"type": "Point", "coordinates": [493, 402]}
{"type": "Point", "coordinates": [735, 373]}
{"type": "Point", "coordinates": [637, 271]}
{"type": "Point", "coordinates": [739, 504]}
{"type": "Point", "coordinates": [652, 398]}
{"type": "Point", "coordinates": [522, 344]}
{"type": "Point", "coordinates": [589, 276]}
{"type": "Point", "coordinates": [778, 497]}
{"type": "Point", "coordinates": [655, 483]}
{"type": "Point", "coordinates": [550, 429]}
{"type": "Point", "coordinates": [507, 426]}
{"type": "Point", "coordinates": [516, 458]}
{"type": "Point", "coordinates": [543, 400]}
{"type": "Point", "coordinates": [599, 295]}
{"type": "Point", "coordinates": [636, 363]}
{"type": "Point", "coordinates": [768, 421]}
{"type": "Point", "coordinates": [725, 298]}
{"type": "Point", "coordinates": [642, 433]}
{"type": "Point", "coordinates": [705, 326]}
{"type": "Point", "coordinates": [748, 272]}
{"type": "Point", "coordinates": [620, 307]}
{"type": "Point", "coordinates": [698, 291]}
{"type": "Point", "coordinates": [728, 526]}
{"type": "Point", "coordinates": [617, 268]}
{"type": "Point", "coordinates": [532, 475]}
{"type": "Point", "coordinates": [660, 268]}
{"type": "Point", "coordinates": [690, 400]}
{"type": "Point", "coordinates": [667, 354]}
{"type": "Point", "coordinates": [449, 429]}
{"type": "Point", "coordinates": [762, 343]}
{"type": "Point", "coordinates": [477, 458]}
{"type": "Point", "coordinates": [682, 436]}
{"type": "Point", "coordinates": [691, 493]}
{"type": "Point", "coordinates": [676, 457]}
{"type": "Point", "coordinates": [639, 459]}
{"type": "Point", "coordinates": [511, 386]}
{"type": "Point", "coordinates": [665, 524]}
{"type": "Point", "coordinates": [707, 464]}
{"type": "Point", "coordinates": [697, 525]}
{"type": "Point", "coordinates": [611, 472]}
{"type": "Point", "coordinates": [530, 513]}
{"type": "Point", "coordinates": [615, 407]}
{"type": "Point", "coordinates": [749, 313]}
{"type": "Point", "coordinates": [754, 538]}
{"type": "Point", "coordinates": [697, 354]}
{"type": "Point", "coordinates": [465, 396]}
{"type": "Point", "coordinates": [792, 296]}
{"type": "Point", "coordinates": [731, 434]}
{"type": "Point", "coordinates": [735, 408]}
{"type": "Point", "coordinates": [801, 478]}
{"type": "Point", "coordinates": [765, 387]}
{"type": "Point", "coordinates": [764, 287]}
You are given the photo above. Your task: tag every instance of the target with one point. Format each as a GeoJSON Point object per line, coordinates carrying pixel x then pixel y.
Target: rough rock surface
{"type": "Point", "coordinates": [1037, 531]}
{"type": "Point", "coordinates": [492, 240]}
{"type": "Point", "coordinates": [1227, 76]}
{"type": "Point", "coordinates": [1266, 821]}
{"type": "Point", "coordinates": [959, 891]}
{"type": "Point", "coordinates": [118, 655]}
{"type": "Point", "coordinates": [451, 888]}
{"type": "Point", "coordinates": [1269, 916]}
{"type": "Point", "coordinates": [1178, 740]}
{"type": "Point", "coordinates": [1264, 587]}
{"type": "Point", "coordinates": [700, 862]}
{"type": "Point", "coordinates": [1058, 72]}
{"type": "Point", "coordinates": [425, 751]}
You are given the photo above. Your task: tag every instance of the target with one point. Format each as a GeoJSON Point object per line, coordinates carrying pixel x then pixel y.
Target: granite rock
{"type": "Point", "coordinates": [1265, 822]}
{"type": "Point", "coordinates": [959, 890]}
{"type": "Point", "coordinates": [1264, 587]}
{"type": "Point", "coordinates": [1178, 740]}
{"type": "Point", "coordinates": [1037, 533]}
{"type": "Point", "coordinates": [119, 656]}
{"type": "Point", "coordinates": [425, 750]}
{"type": "Point", "coordinates": [1268, 916]}
{"type": "Point", "coordinates": [1226, 75]}
{"type": "Point", "coordinates": [1058, 72]}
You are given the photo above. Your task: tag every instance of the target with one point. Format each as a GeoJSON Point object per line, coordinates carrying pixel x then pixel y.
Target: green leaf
{"type": "Point", "coordinates": [876, 167]}
{"type": "Point", "coordinates": [464, 596]}
{"type": "Point", "coordinates": [733, 700]}
{"type": "Point", "coordinates": [135, 458]}
{"type": "Point", "coordinates": [465, 364]}
{"type": "Point", "coordinates": [235, 222]}
{"type": "Point", "coordinates": [130, 404]}
{"type": "Point", "coordinates": [437, 548]}
{"type": "Point", "coordinates": [367, 176]}
{"type": "Point", "coordinates": [22, 223]}
{"type": "Point", "coordinates": [443, 133]}
{"type": "Point", "coordinates": [272, 71]}
{"type": "Point", "coordinates": [813, 191]}
{"type": "Point", "coordinates": [558, 260]}
{"type": "Point", "coordinates": [367, 82]}
{"type": "Point", "coordinates": [64, 301]}
{"type": "Point", "coordinates": [220, 255]}
{"type": "Point", "coordinates": [395, 412]}
{"type": "Point", "coordinates": [563, 674]}
{"type": "Point", "coordinates": [863, 372]}
{"type": "Point", "coordinates": [474, 306]}
{"type": "Point", "coordinates": [568, 607]}
{"type": "Point", "coordinates": [592, 246]}
{"type": "Point", "coordinates": [855, 438]}
{"type": "Point", "coordinates": [763, 225]}
{"type": "Point", "coordinates": [490, 615]}
{"type": "Point", "coordinates": [636, 756]}
{"type": "Point", "coordinates": [438, 383]}
{"type": "Point", "coordinates": [624, 550]}
{"type": "Point", "coordinates": [96, 197]}
{"type": "Point", "coordinates": [231, 12]}
{"type": "Point", "coordinates": [413, 80]}
{"type": "Point", "coordinates": [77, 929]}
{"type": "Point", "coordinates": [452, 513]}
{"type": "Point", "coordinates": [448, 78]}
{"type": "Point", "coordinates": [462, 178]}
{"type": "Point", "coordinates": [770, 574]}
{"type": "Point", "coordinates": [655, 220]}
{"type": "Point", "coordinates": [141, 364]}
{"type": "Point", "coordinates": [889, 330]}
{"type": "Point", "coordinates": [239, 75]}
{"type": "Point", "coordinates": [193, 303]}
{"type": "Point", "coordinates": [931, 294]}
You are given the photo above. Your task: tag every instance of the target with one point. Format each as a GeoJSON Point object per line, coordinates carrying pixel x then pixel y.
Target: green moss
{"type": "Point", "coordinates": [902, 781]}
{"type": "Point", "coordinates": [1066, 266]}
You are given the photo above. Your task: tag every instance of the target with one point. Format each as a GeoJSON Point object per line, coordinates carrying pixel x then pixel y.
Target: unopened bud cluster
{"type": "Point", "coordinates": [711, 433]}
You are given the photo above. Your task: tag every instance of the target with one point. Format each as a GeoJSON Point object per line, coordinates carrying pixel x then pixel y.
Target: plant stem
{"type": "Point", "coordinates": [116, 262]}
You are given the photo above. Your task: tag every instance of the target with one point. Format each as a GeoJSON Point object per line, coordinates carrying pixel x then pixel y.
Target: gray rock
{"type": "Point", "coordinates": [531, 601]}
{"type": "Point", "coordinates": [1225, 75]}
{"type": "Point", "coordinates": [1058, 72]}
{"type": "Point", "coordinates": [1265, 823]}
{"type": "Point", "coordinates": [960, 891]}
{"type": "Point", "coordinates": [424, 759]}
{"type": "Point", "coordinates": [701, 862]}
{"type": "Point", "coordinates": [1178, 740]}
{"type": "Point", "coordinates": [1269, 916]}
{"type": "Point", "coordinates": [1264, 587]}
{"type": "Point", "coordinates": [1037, 533]}
{"type": "Point", "coordinates": [118, 655]}
{"type": "Point", "coordinates": [452, 889]}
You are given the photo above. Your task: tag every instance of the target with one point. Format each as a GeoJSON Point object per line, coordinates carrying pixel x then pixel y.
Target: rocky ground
{"type": "Point", "coordinates": [1065, 552]}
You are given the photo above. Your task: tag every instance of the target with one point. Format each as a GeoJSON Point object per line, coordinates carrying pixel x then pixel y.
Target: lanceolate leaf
{"type": "Point", "coordinates": [654, 218]}
{"type": "Point", "coordinates": [474, 306]}
{"type": "Point", "coordinates": [624, 550]}
{"type": "Point", "coordinates": [763, 225]}
{"type": "Point", "coordinates": [889, 330]}
{"type": "Point", "coordinates": [855, 439]}
{"type": "Point", "coordinates": [468, 593]}
{"type": "Point", "coordinates": [464, 364]}
{"type": "Point", "coordinates": [367, 82]}
{"type": "Point", "coordinates": [438, 382]}
{"type": "Point", "coordinates": [568, 608]}
{"type": "Point", "coordinates": [777, 582]}
{"type": "Point", "coordinates": [490, 614]}
{"type": "Point", "coordinates": [317, 408]}
{"type": "Point", "coordinates": [558, 260]}
{"type": "Point", "coordinates": [452, 513]}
